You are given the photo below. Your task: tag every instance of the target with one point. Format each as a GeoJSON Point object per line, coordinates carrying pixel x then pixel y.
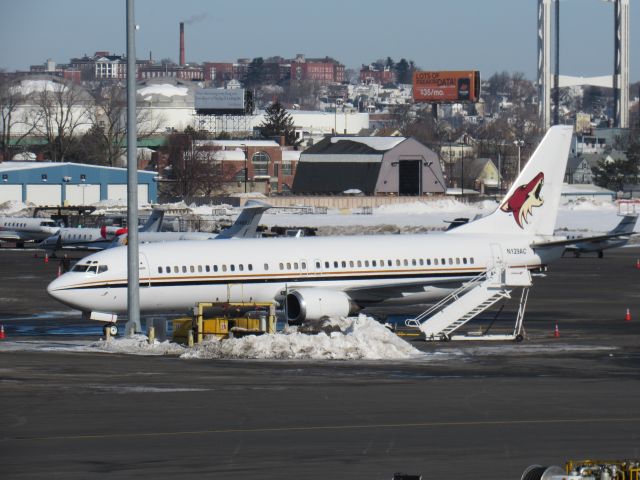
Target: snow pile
{"type": "Point", "coordinates": [27, 87]}
{"type": "Point", "coordinates": [11, 207]}
{"type": "Point", "coordinates": [138, 345]}
{"type": "Point", "coordinates": [587, 204]}
{"type": "Point", "coordinates": [165, 89]}
{"type": "Point", "coordinates": [353, 338]}
{"type": "Point", "coordinates": [438, 206]}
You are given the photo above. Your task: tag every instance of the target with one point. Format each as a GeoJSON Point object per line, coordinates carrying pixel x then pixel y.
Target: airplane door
{"type": "Point", "coordinates": [497, 259]}
{"type": "Point", "coordinates": [143, 271]}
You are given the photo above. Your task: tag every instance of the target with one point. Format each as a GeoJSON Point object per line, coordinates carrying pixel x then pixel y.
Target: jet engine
{"type": "Point", "coordinates": [317, 303]}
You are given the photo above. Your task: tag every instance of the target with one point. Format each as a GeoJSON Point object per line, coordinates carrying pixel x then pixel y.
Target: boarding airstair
{"type": "Point", "coordinates": [471, 299]}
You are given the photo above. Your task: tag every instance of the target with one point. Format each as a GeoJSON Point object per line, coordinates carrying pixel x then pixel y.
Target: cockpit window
{"type": "Point", "coordinates": [91, 268]}
{"type": "Point", "coordinates": [80, 268]}
{"type": "Point", "coordinates": [102, 268]}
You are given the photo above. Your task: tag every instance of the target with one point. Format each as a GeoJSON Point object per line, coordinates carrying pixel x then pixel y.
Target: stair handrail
{"type": "Point", "coordinates": [415, 322]}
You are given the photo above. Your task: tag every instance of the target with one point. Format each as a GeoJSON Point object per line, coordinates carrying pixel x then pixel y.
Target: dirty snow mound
{"type": "Point", "coordinates": [137, 345]}
{"type": "Point", "coordinates": [353, 338]}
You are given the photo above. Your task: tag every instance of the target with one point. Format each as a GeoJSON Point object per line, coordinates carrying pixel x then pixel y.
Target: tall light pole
{"type": "Point", "coordinates": [519, 144]}
{"type": "Point", "coordinates": [133, 273]}
{"type": "Point", "coordinates": [245, 150]}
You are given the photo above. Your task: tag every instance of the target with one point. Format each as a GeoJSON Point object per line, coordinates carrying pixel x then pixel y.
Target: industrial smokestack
{"type": "Point", "coordinates": [182, 62]}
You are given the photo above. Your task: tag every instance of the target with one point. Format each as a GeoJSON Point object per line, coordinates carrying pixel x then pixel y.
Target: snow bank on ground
{"type": "Point", "coordinates": [440, 206]}
{"type": "Point", "coordinates": [353, 338]}
{"type": "Point", "coordinates": [165, 89]}
{"type": "Point", "coordinates": [136, 345]}
{"type": "Point", "coordinates": [11, 207]}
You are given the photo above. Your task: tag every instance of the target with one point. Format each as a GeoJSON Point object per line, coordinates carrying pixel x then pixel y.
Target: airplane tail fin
{"type": "Point", "coordinates": [247, 222]}
{"type": "Point", "coordinates": [531, 205]}
{"type": "Point", "coordinates": [154, 223]}
{"type": "Point", "coordinates": [626, 225]}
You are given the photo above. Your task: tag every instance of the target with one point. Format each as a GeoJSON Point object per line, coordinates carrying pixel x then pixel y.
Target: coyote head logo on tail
{"type": "Point", "coordinates": [524, 199]}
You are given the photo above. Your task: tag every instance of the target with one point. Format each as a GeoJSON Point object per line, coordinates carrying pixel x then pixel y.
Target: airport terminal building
{"type": "Point", "coordinates": [59, 184]}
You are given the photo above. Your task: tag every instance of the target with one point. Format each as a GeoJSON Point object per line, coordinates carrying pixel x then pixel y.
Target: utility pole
{"type": "Point", "coordinates": [133, 274]}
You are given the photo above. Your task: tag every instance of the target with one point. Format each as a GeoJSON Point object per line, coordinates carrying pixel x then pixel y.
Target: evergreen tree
{"type": "Point", "coordinates": [403, 71]}
{"type": "Point", "coordinates": [278, 122]}
{"type": "Point", "coordinates": [255, 73]}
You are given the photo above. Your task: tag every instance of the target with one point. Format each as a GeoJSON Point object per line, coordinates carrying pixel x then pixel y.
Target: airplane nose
{"type": "Point", "coordinates": [57, 290]}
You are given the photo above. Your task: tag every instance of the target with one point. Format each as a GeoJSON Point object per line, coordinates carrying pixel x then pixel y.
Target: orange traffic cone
{"type": "Point", "coordinates": [556, 332]}
{"type": "Point", "coordinates": [2, 335]}
{"type": "Point", "coordinates": [46, 258]}
{"type": "Point", "coordinates": [627, 317]}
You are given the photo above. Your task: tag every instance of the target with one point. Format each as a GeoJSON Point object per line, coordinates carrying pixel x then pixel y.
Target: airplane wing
{"type": "Point", "coordinates": [380, 293]}
{"type": "Point", "coordinates": [573, 241]}
{"type": "Point", "coordinates": [10, 236]}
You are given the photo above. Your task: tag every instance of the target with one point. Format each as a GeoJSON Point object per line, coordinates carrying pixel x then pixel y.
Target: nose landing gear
{"type": "Point", "coordinates": [110, 329]}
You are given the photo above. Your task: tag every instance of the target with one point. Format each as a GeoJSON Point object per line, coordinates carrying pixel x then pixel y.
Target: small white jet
{"type": "Point", "coordinates": [316, 277]}
{"type": "Point", "coordinates": [88, 239]}
{"type": "Point", "coordinates": [618, 237]}
{"type": "Point", "coordinates": [26, 229]}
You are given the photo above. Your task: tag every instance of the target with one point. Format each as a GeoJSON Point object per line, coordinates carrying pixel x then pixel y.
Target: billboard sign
{"type": "Point", "coordinates": [446, 86]}
{"type": "Point", "coordinates": [220, 101]}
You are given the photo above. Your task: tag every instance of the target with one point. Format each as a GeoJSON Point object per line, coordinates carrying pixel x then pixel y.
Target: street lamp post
{"type": "Point", "coordinates": [519, 144]}
{"type": "Point", "coordinates": [245, 150]}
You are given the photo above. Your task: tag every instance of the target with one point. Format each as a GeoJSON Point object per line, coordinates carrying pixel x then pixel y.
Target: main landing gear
{"type": "Point", "coordinates": [110, 329]}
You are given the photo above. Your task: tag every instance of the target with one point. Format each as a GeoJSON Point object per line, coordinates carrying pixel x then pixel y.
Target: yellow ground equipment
{"type": "Point", "coordinates": [237, 319]}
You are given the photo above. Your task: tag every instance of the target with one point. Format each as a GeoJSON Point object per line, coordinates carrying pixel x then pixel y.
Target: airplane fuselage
{"type": "Point", "coordinates": [418, 268]}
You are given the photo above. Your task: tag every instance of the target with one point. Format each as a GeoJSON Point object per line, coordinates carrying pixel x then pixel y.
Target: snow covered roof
{"type": "Point", "coordinates": [377, 143]}
{"type": "Point", "coordinates": [237, 143]}
{"type": "Point", "coordinates": [291, 155]}
{"type": "Point", "coordinates": [27, 87]}
{"type": "Point", "coordinates": [164, 89]}
{"type": "Point", "coordinates": [13, 166]}
{"type": "Point", "coordinates": [235, 155]}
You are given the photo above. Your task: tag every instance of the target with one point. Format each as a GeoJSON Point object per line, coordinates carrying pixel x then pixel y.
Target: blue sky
{"type": "Point", "coordinates": [489, 35]}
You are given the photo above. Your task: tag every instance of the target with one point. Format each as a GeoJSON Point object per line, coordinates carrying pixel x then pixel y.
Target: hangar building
{"type": "Point", "coordinates": [372, 165]}
{"type": "Point", "coordinates": [58, 184]}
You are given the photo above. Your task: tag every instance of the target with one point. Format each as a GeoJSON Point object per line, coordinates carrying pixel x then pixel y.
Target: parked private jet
{"type": "Point", "coordinates": [26, 229]}
{"type": "Point", "coordinates": [245, 226]}
{"type": "Point", "coordinates": [618, 237]}
{"type": "Point", "coordinates": [88, 239]}
{"type": "Point", "coordinates": [315, 277]}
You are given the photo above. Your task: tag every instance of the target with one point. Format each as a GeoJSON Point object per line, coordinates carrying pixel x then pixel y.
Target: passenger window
{"type": "Point", "coordinates": [464, 260]}
{"type": "Point", "coordinates": [413, 262]}
{"type": "Point", "coordinates": [266, 267]}
{"type": "Point", "coordinates": [318, 265]}
{"type": "Point", "coordinates": [207, 268]}
{"type": "Point", "coordinates": [397, 262]}
{"type": "Point", "coordinates": [303, 265]}
{"type": "Point", "coordinates": [351, 264]}
{"type": "Point", "coordinates": [159, 269]}
{"type": "Point", "coordinates": [421, 262]}
{"type": "Point", "coordinates": [406, 262]}
{"type": "Point", "coordinates": [184, 269]}
{"type": "Point", "coordinates": [295, 266]}
{"type": "Point", "coordinates": [457, 260]}
{"type": "Point", "coordinates": [344, 264]}
{"type": "Point", "coordinates": [443, 261]}
{"type": "Point", "coordinates": [192, 269]}
{"type": "Point", "coordinates": [374, 263]}
{"type": "Point", "coordinates": [389, 263]}
{"type": "Point", "coordinates": [232, 267]}
{"type": "Point", "coordinates": [176, 269]}
{"type": "Point", "coordinates": [450, 261]}
{"type": "Point", "coordinates": [428, 261]}
{"type": "Point", "coordinates": [366, 263]}
{"type": "Point", "coordinates": [200, 268]}
{"type": "Point", "coordinates": [326, 264]}
{"type": "Point", "coordinates": [471, 261]}
{"type": "Point", "coordinates": [224, 268]}
{"type": "Point", "coordinates": [250, 266]}
{"type": "Point", "coordinates": [282, 266]}
{"type": "Point", "coordinates": [288, 265]}
{"type": "Point", "coordinates": [241, 267]}
{"type": "Point", "coordinates": [335, 264]}
{"type": "Point", "coordinates": [215, 268]}
{"type": "Point", "coordinates": [435, 261]}
{"type": "Point", "coordinates": [359, 263]}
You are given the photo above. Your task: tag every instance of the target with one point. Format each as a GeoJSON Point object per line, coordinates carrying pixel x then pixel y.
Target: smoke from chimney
{"type": "Point", "coordinates": [182, 62]}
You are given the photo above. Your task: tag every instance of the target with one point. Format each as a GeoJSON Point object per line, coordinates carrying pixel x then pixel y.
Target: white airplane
{"type": "Point", "coordinates": [316, 277]}
{"type": "Point", "coordinates": [72, 238]}
{"type": "Point", "coordinates": [245, 226]}
{"type": "Point", "coordinates": [26, 229]}
{"type": "Point", "coordinates": [618, 237]}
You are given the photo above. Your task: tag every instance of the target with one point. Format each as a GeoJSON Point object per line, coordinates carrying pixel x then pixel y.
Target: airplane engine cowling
{"type": "Point", "coordinates": [318, 303]}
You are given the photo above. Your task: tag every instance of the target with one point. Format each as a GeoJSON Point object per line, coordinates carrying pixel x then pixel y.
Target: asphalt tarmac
{"type": "Point", "coordinates": [468, 410]}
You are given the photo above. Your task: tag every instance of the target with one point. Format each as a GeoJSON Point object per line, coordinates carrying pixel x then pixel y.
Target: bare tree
{"type": "Point", "coordinates": [109, 120]}
{"type": "Point", "coordinates": [11, 99]}
{"type": "Point", "coordinates": [194, 170]}
{"type": "Point", "coordinates": [62, 110]}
